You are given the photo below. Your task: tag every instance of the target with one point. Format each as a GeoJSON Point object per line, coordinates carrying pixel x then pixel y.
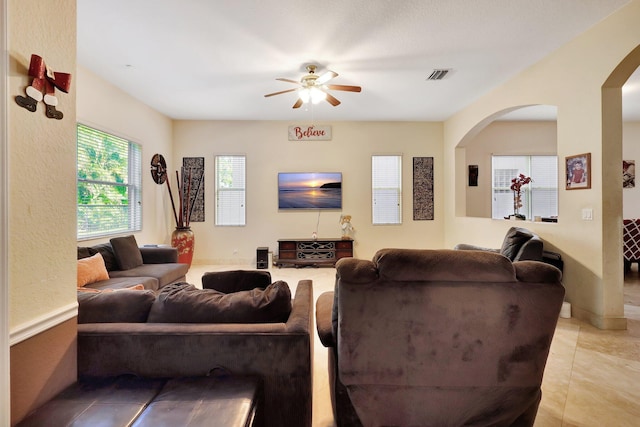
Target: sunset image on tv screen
{"type": "Point", "coordinates": [306, 190]}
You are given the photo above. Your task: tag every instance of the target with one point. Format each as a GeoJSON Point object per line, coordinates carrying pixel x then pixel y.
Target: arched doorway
{"type": "Point", "coordinates": [612, 126]}
{"type": "Point", "coordinates": [631, 189]}
{"type": "Point", "coordinates": [518, 131]}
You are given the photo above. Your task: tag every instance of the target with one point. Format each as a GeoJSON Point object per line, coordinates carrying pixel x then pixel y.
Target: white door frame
{"type": "Point", "coordinates": [5, 389]}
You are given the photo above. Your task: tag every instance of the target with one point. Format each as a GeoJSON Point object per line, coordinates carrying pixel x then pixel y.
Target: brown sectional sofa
{"type": "Point", "coordinates": [159, 266]}
{"type": "Point", "coordinates": [279, 352]}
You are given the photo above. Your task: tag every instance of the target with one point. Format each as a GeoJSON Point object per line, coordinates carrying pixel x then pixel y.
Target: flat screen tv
{"type": "Point", "coordinates": [309, 190]}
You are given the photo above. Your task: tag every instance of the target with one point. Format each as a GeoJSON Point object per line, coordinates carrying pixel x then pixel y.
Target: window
{"type": "Point", "coordinates": [386, 184]}
{"type": "Point", "coordinates": [539, 198]}
{"type": "Point", "coordinates": [230, 190]}
{"type": "Point", "coordinates": [109, 184]}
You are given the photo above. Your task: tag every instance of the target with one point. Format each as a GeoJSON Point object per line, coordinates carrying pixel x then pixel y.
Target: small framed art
{"type": "Point", "coordinates": [628, 173]}
{"type": "Point", "coordinates": [578, 170]}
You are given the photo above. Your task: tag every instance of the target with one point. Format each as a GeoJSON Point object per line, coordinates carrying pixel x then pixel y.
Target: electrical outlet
{"type": "Point", "coordinates": [587, 214]}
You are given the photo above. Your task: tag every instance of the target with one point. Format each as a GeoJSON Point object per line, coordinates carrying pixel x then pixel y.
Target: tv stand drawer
{"type": "Point", "coordinates": [312, 252]}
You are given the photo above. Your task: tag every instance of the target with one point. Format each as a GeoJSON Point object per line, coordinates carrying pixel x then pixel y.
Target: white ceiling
{"type": "Point", "coordinates": [199, 59]}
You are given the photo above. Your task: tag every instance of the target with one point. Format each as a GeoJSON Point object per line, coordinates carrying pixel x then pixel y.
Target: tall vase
{"type": "Point", "coordinates": [182, 238]}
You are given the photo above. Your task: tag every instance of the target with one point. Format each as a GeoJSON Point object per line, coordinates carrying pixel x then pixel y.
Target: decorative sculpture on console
{"type": "Point", "coordinates": [347, 228]}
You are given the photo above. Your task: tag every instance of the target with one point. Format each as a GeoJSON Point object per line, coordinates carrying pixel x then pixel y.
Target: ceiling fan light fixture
{"type": "Point", "coordinates": [315, 89]}
{"type": "Point", "coordinates": [312, 94]}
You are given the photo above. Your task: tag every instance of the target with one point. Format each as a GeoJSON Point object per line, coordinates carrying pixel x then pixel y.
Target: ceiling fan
{"type": "Point", "coordinates": [313, 88]}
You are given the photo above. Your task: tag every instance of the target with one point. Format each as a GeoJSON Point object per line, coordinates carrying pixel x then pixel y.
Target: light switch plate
{"type": "Point", "coordinates": [587, 214]}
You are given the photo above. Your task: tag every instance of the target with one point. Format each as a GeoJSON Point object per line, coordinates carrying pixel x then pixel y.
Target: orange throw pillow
{"type": "Point", "coordinates": [91, 270]}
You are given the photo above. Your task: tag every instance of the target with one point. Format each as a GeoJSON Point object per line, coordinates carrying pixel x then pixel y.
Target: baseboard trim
{"type": "Point", "coordinates": [222, 261]}
{"type": "Point", "coordinates": [600, 322]}
{"type": "Point", "coordinates": [40, 324]}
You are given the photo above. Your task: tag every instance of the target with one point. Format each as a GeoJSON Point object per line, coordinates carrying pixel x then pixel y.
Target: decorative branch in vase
{"type": "Point", "coordinates": [182, 237]}
{"type": "Point", "coordinates": [516, 187]}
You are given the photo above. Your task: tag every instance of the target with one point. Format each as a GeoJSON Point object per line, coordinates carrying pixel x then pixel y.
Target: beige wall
{"type": "Point", "coordinates": [42, 220]}
{"type": "Point", "coordinates": [572, 78]}
{"type": "Point", "coordinates": [105, 107]}
{"type": "Point", "coordinates": [269, 152]}
{"type": "Point", "coordinates": [5, 389]}
{"type": "Point", "coordinates": [42, 153]}
{"type": "Point", "coordinates": [503, 138]}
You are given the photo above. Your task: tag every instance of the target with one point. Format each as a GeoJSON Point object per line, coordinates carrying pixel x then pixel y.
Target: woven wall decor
{"type": "Point", "coordinates": [422, 188]}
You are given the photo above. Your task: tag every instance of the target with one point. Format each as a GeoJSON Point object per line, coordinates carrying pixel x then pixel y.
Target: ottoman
{"type": "Point", "coordinates": [205, 401]}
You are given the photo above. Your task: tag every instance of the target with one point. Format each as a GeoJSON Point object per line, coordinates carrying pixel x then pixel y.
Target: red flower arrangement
{"type": "Point", "coordinates": [516, 187]}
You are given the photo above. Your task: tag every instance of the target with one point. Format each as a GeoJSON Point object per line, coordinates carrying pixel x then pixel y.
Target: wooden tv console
{"type": "Point", "coordinates": [312, 252]}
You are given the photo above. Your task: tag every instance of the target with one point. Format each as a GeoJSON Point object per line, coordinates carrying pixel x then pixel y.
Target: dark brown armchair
{"type": "Point", "coordinates": [438, 338]}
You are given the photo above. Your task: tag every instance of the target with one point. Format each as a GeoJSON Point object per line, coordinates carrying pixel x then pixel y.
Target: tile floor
{"type": "Point", "coordinates": [592, 376]}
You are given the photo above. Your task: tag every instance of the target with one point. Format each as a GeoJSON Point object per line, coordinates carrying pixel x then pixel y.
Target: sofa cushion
{"type": "Point", "coordinates": [184, 303]}
{"type": "Point", "coordinates": [236, 280]}
{"type": "Point", "coordinates": [513, 241]}
{"type": "Point", "coordinates": [126, 252]}
{"type": "Point", "coordinates": [106, 251]}
{"type": "Point", "coordinates": [124, 306]}
{"type": "Point", "coordinates": [138, 287]}
{"type": "Point", "coordinates": [85, 252]}
{"type": "Point", "coordinates": [125, 282]}
{"type": "Point", "coordinates": [165, 273]}
{"type": "Point", "coordinates": [91, 270]}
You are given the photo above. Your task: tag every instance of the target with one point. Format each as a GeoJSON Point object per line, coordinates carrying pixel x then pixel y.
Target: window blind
{"type": "Point", "coordinates": [109, 196]}
{"type": "Point", "coordinates": [539, 198]}
{"type": "Point", "coordinates": [386, 185]}
{"type": "Point", "coordinates": [230, 190]}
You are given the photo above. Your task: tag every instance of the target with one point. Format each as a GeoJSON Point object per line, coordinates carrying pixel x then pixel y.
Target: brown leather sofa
{"type": "Point", "coordinates": [280, 353]}
{"type": "Point", "coordinates": [438, 338]}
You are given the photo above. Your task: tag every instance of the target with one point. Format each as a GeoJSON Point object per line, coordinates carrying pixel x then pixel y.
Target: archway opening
{"type": "Point", "coordinates": [519, 133]}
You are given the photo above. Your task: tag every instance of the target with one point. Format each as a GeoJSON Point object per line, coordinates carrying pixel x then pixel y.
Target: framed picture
{"type": "Point", "coordinates": [628, 173]}
{"type": "Point", "coordinates": [473, 175]}
{"type": "Point", "coordinates": [578, 171]}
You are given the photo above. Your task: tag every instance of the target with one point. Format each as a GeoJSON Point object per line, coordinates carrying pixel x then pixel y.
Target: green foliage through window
{"type": "Point", "coordinates": [109, 184]}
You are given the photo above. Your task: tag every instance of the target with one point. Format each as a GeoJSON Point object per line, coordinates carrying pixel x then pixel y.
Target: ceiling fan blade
{"type": "Point", "coordinates": [278, 93]}
{"type": "Point", "coordinates": [298, 103]}
{"type": "Point", "coordinates": [287, 80]}
{"type": "Point", "coordinates": [345, 87]}
{"type": "Point", "coordinates": [332, 100]}
{"type": "Point", "coordinates": [326, 77]}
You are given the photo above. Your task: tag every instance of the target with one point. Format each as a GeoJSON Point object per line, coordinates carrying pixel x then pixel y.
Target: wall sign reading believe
{"type": "Point", "coordinates": [310, 133]}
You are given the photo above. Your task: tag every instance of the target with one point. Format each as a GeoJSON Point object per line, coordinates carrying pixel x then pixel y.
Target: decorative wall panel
{"type": "Point", "coordinates": [195, 165]}
{"type": "Point", "coordinates": [422, 188]}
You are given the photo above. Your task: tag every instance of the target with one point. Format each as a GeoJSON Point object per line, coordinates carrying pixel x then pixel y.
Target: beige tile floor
{"type": "Point", "coordinates": [592, 376]}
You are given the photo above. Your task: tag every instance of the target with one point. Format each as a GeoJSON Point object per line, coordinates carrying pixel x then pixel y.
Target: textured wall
{"type": "Point", "coordinates": [42, 153]}
{"type": "Point", "coordinates": [105, 107]}
{"type": "Point", "coordinates": [42, 217]}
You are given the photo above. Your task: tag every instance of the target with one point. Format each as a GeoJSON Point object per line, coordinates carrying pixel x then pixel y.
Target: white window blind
{"type": "Point", "coordinates": [230, 190]}
{"type": "Point", "coordinates": [539, 198]}
{"type": "Point", "coordinates": [386, 185]}
{"type": "Point", "coordinates": [109, 194]}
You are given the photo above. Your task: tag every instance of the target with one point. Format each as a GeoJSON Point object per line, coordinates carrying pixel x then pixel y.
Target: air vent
{"type": "Point", "coordinates": [438, 74]}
